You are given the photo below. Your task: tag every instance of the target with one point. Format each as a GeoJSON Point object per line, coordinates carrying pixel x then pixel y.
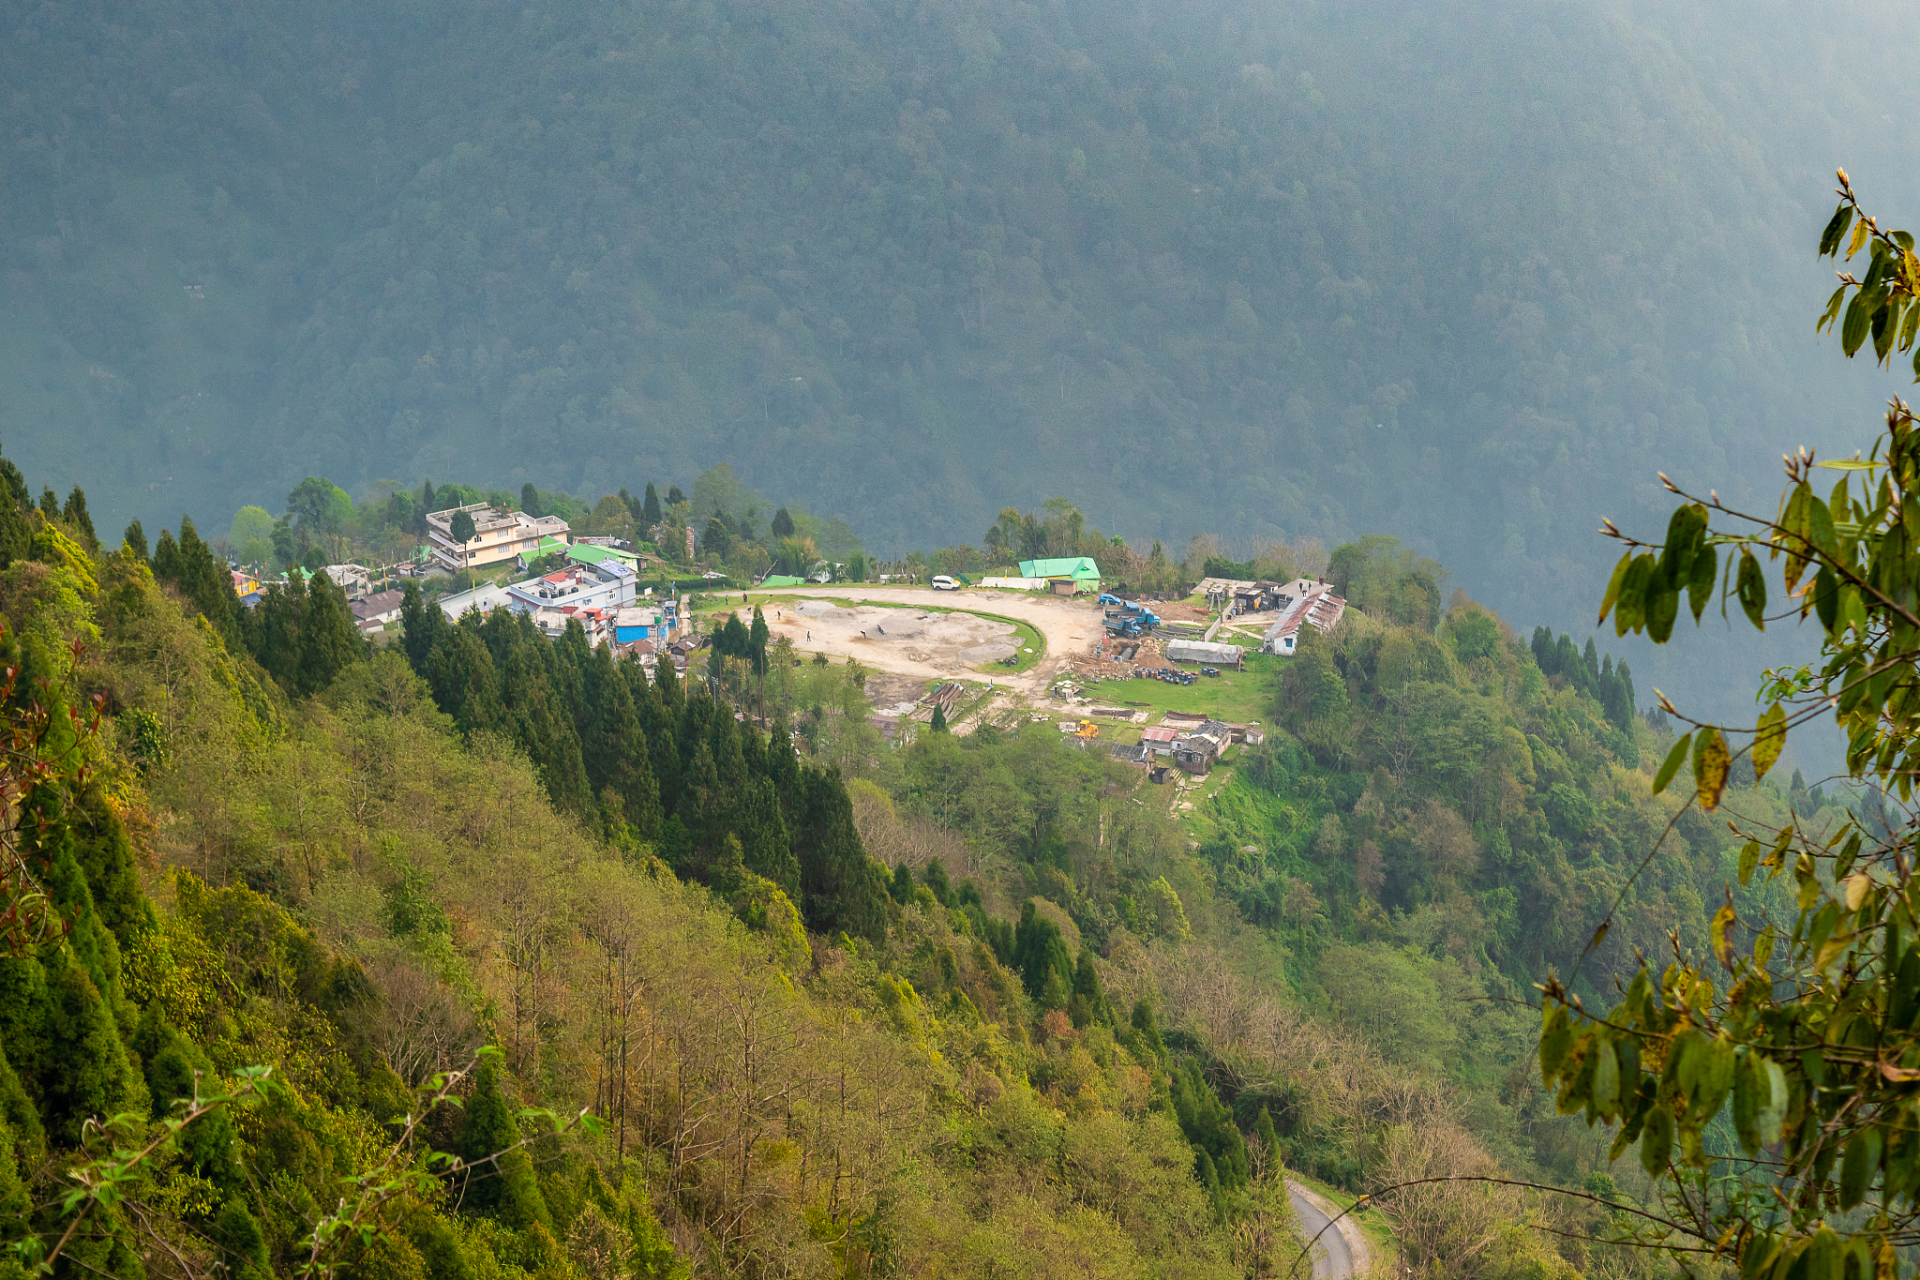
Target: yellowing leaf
{"type": "Point", "coordinates": [1710, 763]}
{"type": "Point", "coordinates": [1857, 886]}
{"type": "Point", "coordinates": [1769, 737]}
{"type": "Point", "coordinates": [1859, 237]}
{"type": "Point", "coordinates": [1723, 923]}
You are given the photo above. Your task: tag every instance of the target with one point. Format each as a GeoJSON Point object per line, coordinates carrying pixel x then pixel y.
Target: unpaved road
{"type": "Point", "coordinates": [1341, 1252]}
{"type": "Point", "coordinates": [937, 646]}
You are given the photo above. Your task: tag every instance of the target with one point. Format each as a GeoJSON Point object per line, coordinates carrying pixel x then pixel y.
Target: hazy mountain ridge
{"type": "Point", "coordinates": [1465, 274]}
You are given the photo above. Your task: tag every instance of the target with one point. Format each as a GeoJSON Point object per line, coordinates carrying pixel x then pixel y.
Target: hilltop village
{"type": "Point", "coordinates": [1159, 672]}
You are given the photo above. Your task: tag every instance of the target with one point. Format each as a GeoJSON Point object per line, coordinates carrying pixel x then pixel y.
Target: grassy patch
{"type": "Point", "coordinates": [1237, 696]}
{"type": "Point", "coordinates": [1026, 637]}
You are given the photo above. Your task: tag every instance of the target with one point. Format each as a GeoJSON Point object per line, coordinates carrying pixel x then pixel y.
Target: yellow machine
{"type": "Point", "coordinates": [1088, 729]}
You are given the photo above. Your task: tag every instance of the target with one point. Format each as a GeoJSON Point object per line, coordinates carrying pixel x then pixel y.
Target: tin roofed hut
{"type": "Point", "coordinates": [1065, 575]}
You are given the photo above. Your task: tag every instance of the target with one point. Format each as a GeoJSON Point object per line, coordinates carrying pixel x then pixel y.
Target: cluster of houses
{"type": "Point", "coordinates": [597, 584]}
{"type": "Point", "coordinates": [1303, 602]}
{"type": "Point", "coordinates": [1191, 742]}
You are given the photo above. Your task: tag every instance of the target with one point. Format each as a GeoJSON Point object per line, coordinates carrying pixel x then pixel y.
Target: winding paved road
{"type": "Point", "coordinates": [1341, 1252]}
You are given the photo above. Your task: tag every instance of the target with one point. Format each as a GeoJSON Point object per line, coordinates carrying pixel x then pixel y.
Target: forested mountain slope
{"type": "Point", "coordinates": [859, 1008]}
{"type": "Point", "coordinates": [1460, 272]}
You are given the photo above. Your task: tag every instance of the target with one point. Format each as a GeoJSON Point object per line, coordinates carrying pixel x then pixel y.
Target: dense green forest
{"type": "Point", "coordinates": [835, 1005]}
{"type": "Point", "coordinates": [1463, 273]}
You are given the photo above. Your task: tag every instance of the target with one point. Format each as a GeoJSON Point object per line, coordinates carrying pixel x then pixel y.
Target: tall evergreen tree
{"type": "Point", "coordinates": [499, 1179]}
{"type": "Point", "coordinates": [841, 890]}
{"type": "Point", "coordinates": [16, 506]}
{"type": "Point", "coordinates": [76, 515]}
{"type": "Point", "coordinates": [650, 508]}
{"type": "Point", "coordinates": [330, 642]}
{"type": "Point", "coordinates": [1088, 1004]}
{"type": "Point", "coordinates": [615, 747]}
{"type": "Point", "coordinates": [188, 565]}
{"type": "Point", "coordinates": [135, 539]}
{"type": "Point", "coordinates": [422, 626]}
{"type": "Point", "coordinates": [1040, 953]}
{"type": "Point", "coordinates": [757, 637]}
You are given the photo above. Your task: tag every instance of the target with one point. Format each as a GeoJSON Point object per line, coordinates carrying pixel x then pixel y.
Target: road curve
{"type": "Point", "coordinates": [1341, 1252]}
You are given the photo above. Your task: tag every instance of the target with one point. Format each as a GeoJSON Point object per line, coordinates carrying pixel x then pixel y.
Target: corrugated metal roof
{"type": "Point", "coordinates": [1202, 651]}
{"type": "Point", "coordinates": [1079, 568]}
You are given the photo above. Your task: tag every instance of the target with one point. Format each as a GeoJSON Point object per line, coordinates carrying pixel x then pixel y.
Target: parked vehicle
{"type": "Point", "coordinates": [941, 582]}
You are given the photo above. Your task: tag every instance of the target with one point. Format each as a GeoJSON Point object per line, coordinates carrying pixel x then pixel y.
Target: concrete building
{"type": "Point", "coordinates": [499, 536]}
{"type": "Point", "coordinates": [353, 580]}
{"type": "Point", "coordinates": [650, 620]}
{"type": "Point", "coordinates": [610, 585]}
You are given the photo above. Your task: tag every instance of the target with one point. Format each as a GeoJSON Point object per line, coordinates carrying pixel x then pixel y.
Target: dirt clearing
{"type": "Point", "coordinates": [897, 640]}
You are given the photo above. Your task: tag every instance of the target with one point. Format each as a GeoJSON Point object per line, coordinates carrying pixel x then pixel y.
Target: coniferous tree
{"type": "Point", "coordinates": [782, 526]}
{"type": "Point", "coordinates": [329, 640]}
{"type": "Point", "coordinates": [935, 877]}
{"type": "Point", "coordinates": [86, 1072]}
{"type": "Point", "coordinates": [530, 499]}
{"type": "Point", "coordinates": [1269, 1140]}
{"type": "Point", "coordinates": [422, 626]}
{"type": "Point", "coordinates": [650, 508]}
{"type": "Point", "coordinates": [188, 565]}
{"type": "Point", "coordinates": [1146, 1031]}
{"type": "Point", "coordinates": [705, 808]}
{"type": "Point", "coordinates": [243, 1245]}
{"type": "Point", "coordinates": [783, 762]}
{"type": "Point", "coordinates": [939, 722]}
{"type": "Point", "coordinates": [1088, 1004]}
{"type": "Point", "coordinates": [76, 515]}
{"type": "Point", "coordinates": [22, 1141]}
{"type": "Point", "coordinates": [499, 1179]}
{"type": "Point", "coordinates": [1041, 957]}
{"type": "Point", "coordinates": [757, 637]}
{"type": "Point", "coordinates": [763, 835]}
{"type": "Point", "coordinates": [460, 673]}
{"type": "Point", "coordinates": [668, 682]}
{"type": "Point", "coordinates": [272, 631]}
{"type": "Point", "coordinates": [901, 886]}
{"type": "Point", "coordinates": [135, 540]}
{"type": "Point", "coordinates": [614, 746]}
{"type": "Point", "coordinates": [841, 889]}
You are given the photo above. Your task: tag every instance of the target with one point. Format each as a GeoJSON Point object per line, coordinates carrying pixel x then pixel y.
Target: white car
{"type": "Point", "coordinates": [942, 582]}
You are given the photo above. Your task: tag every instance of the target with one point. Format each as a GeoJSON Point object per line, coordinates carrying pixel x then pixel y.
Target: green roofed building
{"type": "Point", "coordinates": [587, 553]}
{"type": "Point", "coordinates": [1065, 575]}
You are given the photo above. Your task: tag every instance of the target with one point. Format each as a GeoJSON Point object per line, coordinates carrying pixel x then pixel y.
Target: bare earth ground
{"type": "Point", "coordinates": [930, 645]}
